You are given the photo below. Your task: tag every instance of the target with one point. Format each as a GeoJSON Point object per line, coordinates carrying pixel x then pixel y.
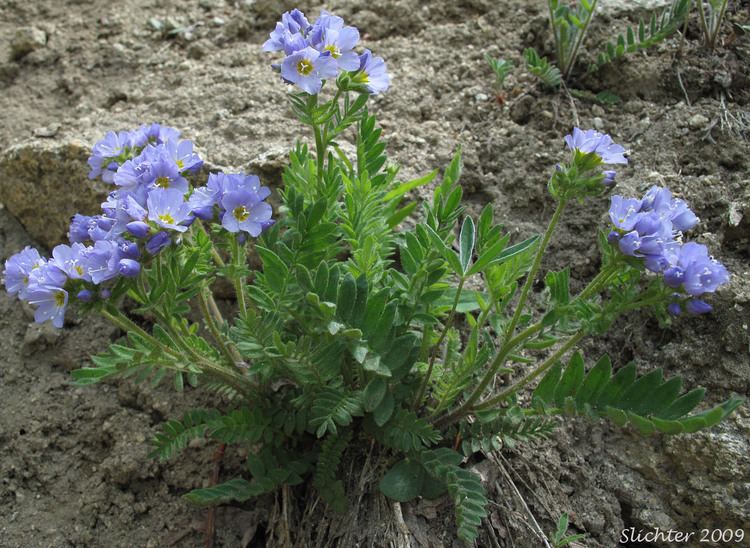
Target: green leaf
{"type": "Point", "coordinates": [403, 188]}
{"type": "Point", "coordinates": [496, 256]}
{"type": "Point", "coordinates": [384, 410]}
{"type": "Point", "coordinates": [649, 403]}
{"type": "Point", "coordinates": [236, 489]}
{"type": "Point", "coordinates": [374, 393]}
{"type": "Point", "coordinates": [467, 239]}
{"type": "Point", "coordinates": [403, 482]}
{"type": "Point", "coordinates": [447, 253]}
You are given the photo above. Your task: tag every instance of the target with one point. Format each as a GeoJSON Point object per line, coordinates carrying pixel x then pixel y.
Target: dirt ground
{"type": "Point", "coordinates": [73, 465]}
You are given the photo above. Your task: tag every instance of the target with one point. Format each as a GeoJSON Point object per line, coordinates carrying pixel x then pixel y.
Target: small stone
{"type": "Point", "coordinates": [597, 110]}
{"type": "Point", "coordinates": [698, 122]}
{"type": "Point", "coordinates": [47, 131]}
{"type": "Point", "coordinates": [598, 123]}
{"type": "Point", "coordinates": [26, 40]}
{"type": "Point", "coordinates": [735, 214]}
{"type": "Point", "coordinates": [480, 97]}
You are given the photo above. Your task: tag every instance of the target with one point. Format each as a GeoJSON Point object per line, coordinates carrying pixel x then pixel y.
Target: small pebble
{"type": "Point", "coordinates": [481, 97]}
{"type": "Point", "coordinates": [598, 123]}
{"type": "Point", "coordinates": [697, 122]}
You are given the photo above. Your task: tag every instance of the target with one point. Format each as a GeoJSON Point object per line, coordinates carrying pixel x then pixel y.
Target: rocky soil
{"type": "Point", "coordinates": [73, 465]}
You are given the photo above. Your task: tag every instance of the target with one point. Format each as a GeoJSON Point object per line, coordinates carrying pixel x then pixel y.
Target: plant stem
{"type": "Point", "coordinates": [549, 362]}
{"type": "Point", "coordinates": [228, 376]}
{"type": "Point", "coordinates": [239, 258]}
{"type": "Point", "coordinates": [211, 318]}
{"type": "Point", "coordinates": [436, 347]}
{"type": "Point", "coordinates": [558, 44]}
{"type": "Point", "coordinates": [499, 360]}
{"type": "Point", "coordinates": [579, 40]}
{"type": "Point", "coordinates": [599, 281]}
{"type": "Point", "coordinates": [535, 266]}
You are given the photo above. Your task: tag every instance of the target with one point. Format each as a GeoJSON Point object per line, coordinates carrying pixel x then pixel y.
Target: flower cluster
{"type": "Point", "coordinates": [651, 229]}
{"type": "Point", "coordinates": [322, 50]}
{"type": "Point", "coordinates": [151, 206]}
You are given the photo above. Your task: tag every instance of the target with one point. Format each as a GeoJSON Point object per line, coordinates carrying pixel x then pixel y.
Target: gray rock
{"type": "Point", "coordinates": [26, 40]}
{"type": "Point", "coordinates": [44, 183]}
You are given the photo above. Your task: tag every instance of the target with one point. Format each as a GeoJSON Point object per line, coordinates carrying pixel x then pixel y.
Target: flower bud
{"type": "Point", "coordinates": [129, 268]}
{"type": "Point", "coordinates": [139, 229]}
{"type": "Point", "coordinates": [85, 296]}
{"type": "Point", "coordinates": [158, 241]}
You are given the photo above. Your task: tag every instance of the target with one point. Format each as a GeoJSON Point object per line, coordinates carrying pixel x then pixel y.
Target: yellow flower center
{"type": "Point", "coordinates": [304, 67]}
{"type": "Point", "coordinates": [166, 218]}
{"type": "Point", "coordinates": [162, 182]}
{"type": "Point", "coordinates": [79, 269]}
{"type": "Point", "coordinates": [241, 213]}
{"type": "Point", "coordinates": [60, 298]}
{"type": "Point", "coordinates": [180, 164]}
{"type": "Point", "coordinates": [335, 51]}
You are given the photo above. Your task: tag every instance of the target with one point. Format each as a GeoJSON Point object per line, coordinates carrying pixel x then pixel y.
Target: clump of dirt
{"type": "Point", "coordinates": [74, 470]}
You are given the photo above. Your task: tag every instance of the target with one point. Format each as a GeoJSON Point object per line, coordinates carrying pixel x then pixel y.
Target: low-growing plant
{"type": "Point", "coordinates": [570, 24]}
{"type": "Point", "coordinates": [358, 328]}
{"type": "Point", "coordinates": [711, 15]}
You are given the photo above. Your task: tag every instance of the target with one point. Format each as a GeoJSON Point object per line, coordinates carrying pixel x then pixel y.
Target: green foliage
{"type": "Point", "coordinates": [548, 74]}
{"type": "Point", "coordinates": [326, 477]}
{"type": "Point", "coordinates": [569, 25]}
{"type": "Point", "coordinates": [711, 16]}
{"type": "Point", "coordinates": [403, 482]}
{"type": "Point", "coordinates": [497, 429]}
{"type": "Point", "coordinates": [648, 403]}
{"type": "Point", "coordinates": [646, 35]}
{"type": "Point", "coordinates": [501, 68]}
{"type": "Point", "coordinates": [407, 433]}
{"type": "Point", "coordinates": [464, 488]}
{"type": "Point", "coordinates": [560, 537]}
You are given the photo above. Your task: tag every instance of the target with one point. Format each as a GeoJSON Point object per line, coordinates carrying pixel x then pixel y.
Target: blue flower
{"type": "Point", "coordinates": [308, 68]}
{"type": "Point", "coordinates": [105, 153]}
{"type": "Point", "coordinates": [18, 269]}
{"type": "Point", "coordinates": [660, 200]}
{"type": "Point", "coordinates": [372, 73]}
{"type": "Point", "coordinates": [340, 44]}
{"type": "Point", "coordinates": [168, 209]}
{"type": "Point", "coordinates": [71, 259]}
{"type": "Point", "coordinates": [181, 153]}
{"type": "Point", "coordinates": [50, 302]}
{"type": "Point", "coordinates": [101, 261]}
{"type": "Point", "coordinates": [293, 23]}
{"type": "Point", "coordinates": [203, 199]}
{"type": "Point", "coordinates": [245, 211]}
{"type": "Point", "coordinates": [695, 271]}
{"type": "Point", "coordinates": [624, 212]}
{"type": "Point", "coordinates": [599, 143]}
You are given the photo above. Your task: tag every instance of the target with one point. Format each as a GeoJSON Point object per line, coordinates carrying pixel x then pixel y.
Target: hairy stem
{"type": "Point", "coordinates": [541, 369]}
{"type": "Point", "coordinates": [228, 376]}
{"type": "Point", "coordinates": [213, 318]}
{"type": "Point", "coordinates": [239, 258]}
{"type": "Point", "coordinates": [535, 267]}
{"type": "Point", "coordinates": [436, 347]}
